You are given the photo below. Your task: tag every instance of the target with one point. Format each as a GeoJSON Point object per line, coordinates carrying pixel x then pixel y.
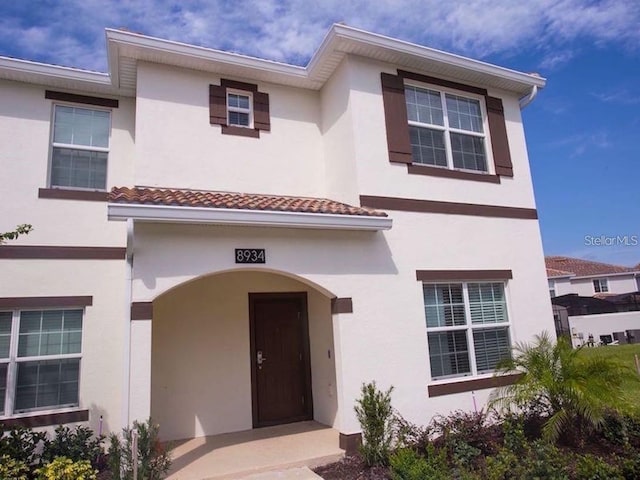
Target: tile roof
{"type": "Point", "coordinates": [552, 272]}
{"type": "Point", "coordinates": [231, 200]}
{"type": "Point", "coordinates": [582, 268]}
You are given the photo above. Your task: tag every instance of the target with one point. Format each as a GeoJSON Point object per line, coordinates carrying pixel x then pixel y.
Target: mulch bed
{"type": "Point", "coordinates": [352, 468]}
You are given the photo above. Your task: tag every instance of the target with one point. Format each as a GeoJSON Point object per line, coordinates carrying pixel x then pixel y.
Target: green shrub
{"type": "Point", "coordinates": [630, 467]}
{"type": "Point", "coordinates": [590, 467]}
{"type": "Point", "coordinates": [13, 469]}
{"type": "Point", "coordinates": [75, 444]}
{"type": "Point", "coordinates": [574, 393]}
{"type": "Point", "coordinates": [62, 468]}
{"type": "Point", "coordinates": [154, 460]}
{"type": "Point", "coordinates": [406, 464]}
{"type": "Point", "coordinates": [20, 443]}
{"type": "Point", "coordinates": [514, 438]}
{"type": "Point", "coordinates": [501, 466]}
{"type": "Point", "coordinates": [466, 436]}
{"type": "Point", "coordinates": [408, 434]}
{"type": "Point", "coordinates": [375, 415]}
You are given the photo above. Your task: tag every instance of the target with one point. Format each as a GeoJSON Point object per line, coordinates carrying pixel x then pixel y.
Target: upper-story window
{"type": "Point", "coordinates": [80, 147]}
{"type": "Point", "coordinates": [239, 109]}
{"type": "Point", "coordinates": [552, 288]}
{"type": "Point", "coordinates": [446, 130]}
{"type": "Point", "coordinates": [601, 285]}
{"type": "Point", "coordinates": [442, 128]}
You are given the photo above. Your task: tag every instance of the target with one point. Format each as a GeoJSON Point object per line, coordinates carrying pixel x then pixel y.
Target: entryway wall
{"type": "Point", "coordinates": [200, 362]}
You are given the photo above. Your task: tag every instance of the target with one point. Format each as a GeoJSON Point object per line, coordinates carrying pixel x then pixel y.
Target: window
{"type": "Point", "coordinates": [40, 353]}
{"type": "Point", "coordinates": [552, 288]}
{"type": "Point", "coordinates": [601, 285]}
{"type": "Point", "coordinates": [239, 109]}
{"type": "Point", "coordinates": [446, 130]}
{"type": "Point", "coordinates": [80, 147]}
{"type": "Point", "coordinates": [467, 328]}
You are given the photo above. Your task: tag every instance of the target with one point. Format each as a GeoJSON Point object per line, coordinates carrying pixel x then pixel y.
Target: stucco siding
{"type": "Point", "coordinates": [25, 129]}
{"type": "Point", "coordinates": [200, 375]}
{"type": "Point", "coordinates": [177, 147]}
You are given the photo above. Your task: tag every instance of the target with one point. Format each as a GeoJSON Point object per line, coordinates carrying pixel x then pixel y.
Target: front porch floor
{"type": "Point", "coordinates": [240, 454]}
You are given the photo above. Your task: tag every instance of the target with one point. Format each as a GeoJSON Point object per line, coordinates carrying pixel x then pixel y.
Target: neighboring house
{"type": "Point", "coordinates": [586, 278]}
{"type": "Point", "coordinates": [224, 242]}
{"type": "Point", "coordinates": [594, 299]}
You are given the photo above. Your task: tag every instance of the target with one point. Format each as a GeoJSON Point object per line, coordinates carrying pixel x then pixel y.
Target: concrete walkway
{"type": "Point", "coordinates": [270, 453]}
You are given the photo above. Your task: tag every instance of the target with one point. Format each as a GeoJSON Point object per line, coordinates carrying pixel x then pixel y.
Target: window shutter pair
{"type": "Point", "coordinates": [218, 107]}
{"type": "Point", "coordinates": [395, 112]}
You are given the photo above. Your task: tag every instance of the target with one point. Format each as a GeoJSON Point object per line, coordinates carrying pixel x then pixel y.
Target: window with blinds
{"type": "Point", "coordinates": [467, 328]}
{"type": "Point", "coordinates": [40, 352]}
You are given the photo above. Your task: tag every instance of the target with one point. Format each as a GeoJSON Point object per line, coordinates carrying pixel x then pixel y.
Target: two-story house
{"type": "Point", "coordinates": [593, 301]}
{"type": "Point", "coordinates": [224, 242]}
{"type": "Point", "coordinates": [568, 275]}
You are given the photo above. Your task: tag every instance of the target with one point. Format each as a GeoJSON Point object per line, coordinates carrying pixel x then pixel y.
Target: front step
{"type": "Point", "coordinates": [301, 473]}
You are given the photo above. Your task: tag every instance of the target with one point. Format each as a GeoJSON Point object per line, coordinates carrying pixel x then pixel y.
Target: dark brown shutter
{"type": "Point", "coordinates": [261, 119]}
{"type": "Point", "coordinates": [499, 141]}
{"type": "Point", "coordinates": [395, 115]}
{"type": "Point", "coordinates": [217, 105]}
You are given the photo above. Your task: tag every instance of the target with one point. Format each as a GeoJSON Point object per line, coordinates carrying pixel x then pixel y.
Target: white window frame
{"type": "Point", "coordinates": [14, 360]}
{"type": "Point", "coordinates": [448, 130]}
{"type": "Point", "coordinates": [552, 288]}
{"type": "Point", "coordinates": [601, 285]}
{"type": "Point", "coordinates": [72, 146]}
{"type": "Point", "coordinates": [249, 111]}
{"type": "Point", "coordinates": [469, 327]}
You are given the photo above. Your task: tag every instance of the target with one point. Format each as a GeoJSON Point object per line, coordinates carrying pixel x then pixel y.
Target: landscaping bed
{"type": "Point", "coordinates": [571, 415]}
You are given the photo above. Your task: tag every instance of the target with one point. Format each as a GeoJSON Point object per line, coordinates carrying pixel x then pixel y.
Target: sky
{"type": "Point", "coordinates": [582, 130]}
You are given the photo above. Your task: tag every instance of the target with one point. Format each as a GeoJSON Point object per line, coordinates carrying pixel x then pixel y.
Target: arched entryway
{"type": "Point", "coordinates": [207, 338]}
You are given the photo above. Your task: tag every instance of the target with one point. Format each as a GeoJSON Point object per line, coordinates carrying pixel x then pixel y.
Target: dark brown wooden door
{"type": "Point", "coordinates": [280, 359]}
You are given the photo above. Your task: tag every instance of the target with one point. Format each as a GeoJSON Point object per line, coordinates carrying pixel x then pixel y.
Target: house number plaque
{"type": "Point", "coordinates": [250, 255]}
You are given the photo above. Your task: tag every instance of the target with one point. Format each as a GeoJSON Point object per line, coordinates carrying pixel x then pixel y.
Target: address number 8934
{"type": "Point", "coordinates": [250, 255]}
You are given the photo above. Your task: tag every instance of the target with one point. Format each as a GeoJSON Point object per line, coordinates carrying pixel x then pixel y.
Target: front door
{"type": "Point", "coordinates": [281, 376]}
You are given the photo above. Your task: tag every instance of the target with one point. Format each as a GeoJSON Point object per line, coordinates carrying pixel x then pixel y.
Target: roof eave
{"type": "Point", "coordinates": [525, 80]}
{"type": "Point", "coordinates": [603, 275]}
{"type": "Point", "coordinates": [251, 218]}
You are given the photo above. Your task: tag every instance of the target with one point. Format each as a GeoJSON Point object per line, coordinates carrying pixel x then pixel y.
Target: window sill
{"type": "Point", "coordinates": [64, 194]}
{"type": "Point", "coordinates": [46, 418]}
{"type": "Point", "coordinates": [468, 385]}
{"type": "Point", "coordinates": [241, 131]}
{"type": "Point", "coordinates": [417, 169]}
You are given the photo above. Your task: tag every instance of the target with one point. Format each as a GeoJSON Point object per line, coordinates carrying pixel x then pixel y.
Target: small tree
{"type": "Point", "coordinates": [375, 414]}
{"type": "Point", "coordinates": [23, 229]}
{"type": "Point", "coordinates": [154, 460]}
{"type": "Point", "coordinates": [571, 391]}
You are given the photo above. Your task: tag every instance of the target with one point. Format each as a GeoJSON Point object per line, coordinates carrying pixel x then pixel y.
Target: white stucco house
{"type": "Point", "coordinates": [225, 242]}
{"type": "Point", "coordinates": [594, 302]}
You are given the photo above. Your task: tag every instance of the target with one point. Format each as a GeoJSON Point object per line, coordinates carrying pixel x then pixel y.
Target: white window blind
{"type": "Point", "coordinates": [462, 314]}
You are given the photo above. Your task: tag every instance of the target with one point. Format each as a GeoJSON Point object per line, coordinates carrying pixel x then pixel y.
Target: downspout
{"type": "Point", "coordinates": [127, 326]}
{"type": "Point", "coordinates": [527, 99]}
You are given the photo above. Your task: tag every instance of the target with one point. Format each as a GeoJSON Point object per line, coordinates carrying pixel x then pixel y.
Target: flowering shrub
{"type": "Point", "coordinates": [13, 469]}
{"type": "Point", "coordinates": [62, 468]}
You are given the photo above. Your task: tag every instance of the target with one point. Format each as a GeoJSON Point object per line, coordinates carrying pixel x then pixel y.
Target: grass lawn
{"type": "Point", "coordinates": [625, 354]}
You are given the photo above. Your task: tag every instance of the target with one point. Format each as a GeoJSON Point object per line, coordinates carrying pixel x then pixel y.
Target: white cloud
{"type": "Point", "coordinates": [290, 30]}
{"type": "Point", "coordinates": [581, 143]}
{"type": "Point", "coordinates": [619, 96]}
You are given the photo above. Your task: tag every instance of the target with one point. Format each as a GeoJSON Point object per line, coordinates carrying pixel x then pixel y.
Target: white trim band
{"type": "Point", "coordinates": [251, 218]}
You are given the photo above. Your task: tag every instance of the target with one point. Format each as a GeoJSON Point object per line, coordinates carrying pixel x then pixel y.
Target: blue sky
{"type": "Point", "coordinates": [582, 130]}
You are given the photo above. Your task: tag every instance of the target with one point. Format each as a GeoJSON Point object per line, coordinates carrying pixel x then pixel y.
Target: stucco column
{"type": "Point", "coordinates": [140, 364]}
{"type": "Point", "coordinates": [342, 310]}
